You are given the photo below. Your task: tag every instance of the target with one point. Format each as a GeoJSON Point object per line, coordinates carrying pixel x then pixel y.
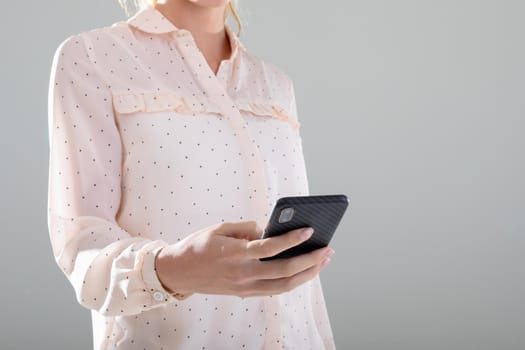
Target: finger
{"type": "Point", "coordinates": [280, 285]}
{"type": "Point", "coordinates": [271, 246]}
{"type": "Point", "coordinates": [248, 230]}
{"type": "Point", "coordinates": [279, 268]}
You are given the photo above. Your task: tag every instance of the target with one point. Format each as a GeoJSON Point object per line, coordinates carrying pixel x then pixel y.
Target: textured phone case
{"type": "Point", "coordinates": [322, 212]}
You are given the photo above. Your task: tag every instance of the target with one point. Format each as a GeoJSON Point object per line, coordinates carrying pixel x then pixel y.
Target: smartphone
{"type": "Point", "coordinates": [322, 212]}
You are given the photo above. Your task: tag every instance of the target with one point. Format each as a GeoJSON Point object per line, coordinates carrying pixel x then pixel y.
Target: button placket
{"type": "Point", "coordinates": [238, 124]}
{"type": "Point", "coordinates": [216, 90]}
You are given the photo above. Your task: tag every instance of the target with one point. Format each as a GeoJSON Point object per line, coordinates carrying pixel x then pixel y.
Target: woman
{"type": "Point", "coordinates": [169, 145]}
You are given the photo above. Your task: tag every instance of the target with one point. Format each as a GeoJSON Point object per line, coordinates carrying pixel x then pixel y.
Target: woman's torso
{"type": "Point", "coordinates": [200, 149]}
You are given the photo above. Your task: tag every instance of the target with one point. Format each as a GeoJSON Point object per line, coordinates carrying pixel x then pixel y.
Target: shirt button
{"type": "Point", "coordinates": [158, 295]}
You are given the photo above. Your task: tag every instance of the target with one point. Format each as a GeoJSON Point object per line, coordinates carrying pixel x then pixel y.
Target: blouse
{"type": "Point", "coordinates": [147, 145]}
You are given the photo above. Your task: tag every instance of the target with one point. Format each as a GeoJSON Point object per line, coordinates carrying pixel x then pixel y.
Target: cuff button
{"type": "Point", "coordinates": [158, 295]}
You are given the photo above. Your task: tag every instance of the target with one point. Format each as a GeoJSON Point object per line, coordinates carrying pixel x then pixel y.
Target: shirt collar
{"type": "Point", "coordinates": [150, 20]}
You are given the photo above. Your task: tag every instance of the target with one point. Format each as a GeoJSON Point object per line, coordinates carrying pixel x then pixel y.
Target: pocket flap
{"type": "Point", "coordinates": [126, 103]}
{"type": "Point", "coordinates": [153, 101]}
{"type": "Point", "coordinates": [268, 108]}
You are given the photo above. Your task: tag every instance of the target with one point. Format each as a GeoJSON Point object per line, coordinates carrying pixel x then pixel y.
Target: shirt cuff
{"type": "Point", "coordinates": [158, 293]}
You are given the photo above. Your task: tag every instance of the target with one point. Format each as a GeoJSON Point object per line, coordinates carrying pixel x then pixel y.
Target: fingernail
{"type": "Point", "coordinates": [306, 232]}
{"type": "Point", "coordinates": [325, 262]}
{"type": "Point", "coordinates": [329, 253]}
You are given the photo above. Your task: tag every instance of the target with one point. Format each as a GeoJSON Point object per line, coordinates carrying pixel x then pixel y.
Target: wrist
{"type": "Point", "coordinates": [163, 269]}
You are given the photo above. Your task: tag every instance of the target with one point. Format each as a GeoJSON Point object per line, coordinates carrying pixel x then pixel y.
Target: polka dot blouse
{"type": "Point", "coordinates": [147, 145]}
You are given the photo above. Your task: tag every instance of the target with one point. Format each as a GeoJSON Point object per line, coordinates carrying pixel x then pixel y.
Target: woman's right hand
{"type": "Point", "coordinates": [224, 259]}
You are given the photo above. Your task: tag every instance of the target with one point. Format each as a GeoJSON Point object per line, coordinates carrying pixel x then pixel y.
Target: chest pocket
{"type": "Point", "coordinates": [155, 101]}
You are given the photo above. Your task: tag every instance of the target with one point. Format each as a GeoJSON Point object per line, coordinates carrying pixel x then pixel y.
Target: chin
{"type": "Point", "coordinates": [210, 3]}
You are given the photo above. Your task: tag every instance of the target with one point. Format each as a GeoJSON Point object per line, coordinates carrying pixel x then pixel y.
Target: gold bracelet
{"type": "Point", "coordinates": [177, 295]}
{"type": "Point", "coordinates": [181, 296]}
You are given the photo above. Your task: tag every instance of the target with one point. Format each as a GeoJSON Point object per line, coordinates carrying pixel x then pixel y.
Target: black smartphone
{"type": "Point", "coordinates": [322, 212]}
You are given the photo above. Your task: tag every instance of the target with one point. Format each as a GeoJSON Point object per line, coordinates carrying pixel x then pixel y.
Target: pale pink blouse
{"type": "Point", "coordinates": [148, 145]}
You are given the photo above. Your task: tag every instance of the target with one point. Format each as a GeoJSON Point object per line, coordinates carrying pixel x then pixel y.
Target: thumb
{"type": "Point", "coordinates": [248, 230]}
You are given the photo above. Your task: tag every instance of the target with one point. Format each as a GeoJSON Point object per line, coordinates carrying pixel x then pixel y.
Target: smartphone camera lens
{"type": "Point", "coordinates": [286, 215]}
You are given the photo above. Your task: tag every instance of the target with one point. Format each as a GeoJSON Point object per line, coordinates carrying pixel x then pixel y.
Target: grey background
{"type": "Point", "coordinates": [413, 108]}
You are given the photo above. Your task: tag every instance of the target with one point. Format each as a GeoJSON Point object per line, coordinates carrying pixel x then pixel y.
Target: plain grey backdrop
{"type": "Point", "coordinates": [415, 109]}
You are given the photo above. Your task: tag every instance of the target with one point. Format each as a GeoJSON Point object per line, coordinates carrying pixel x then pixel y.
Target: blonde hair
{"type": "Point", "coordinates": [231, 9]}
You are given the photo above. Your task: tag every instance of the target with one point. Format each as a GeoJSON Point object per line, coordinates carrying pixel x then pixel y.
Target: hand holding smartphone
{"type": "Point", "coordinates": [321, 212]}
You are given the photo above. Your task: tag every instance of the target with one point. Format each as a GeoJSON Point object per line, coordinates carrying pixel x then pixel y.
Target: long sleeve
{"type": "Point", "coordinates": [317, 300]}
{"type": "Point", "coordinates": [292, 105]}
{"type": "Point", "coordinates": [110, 270]}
